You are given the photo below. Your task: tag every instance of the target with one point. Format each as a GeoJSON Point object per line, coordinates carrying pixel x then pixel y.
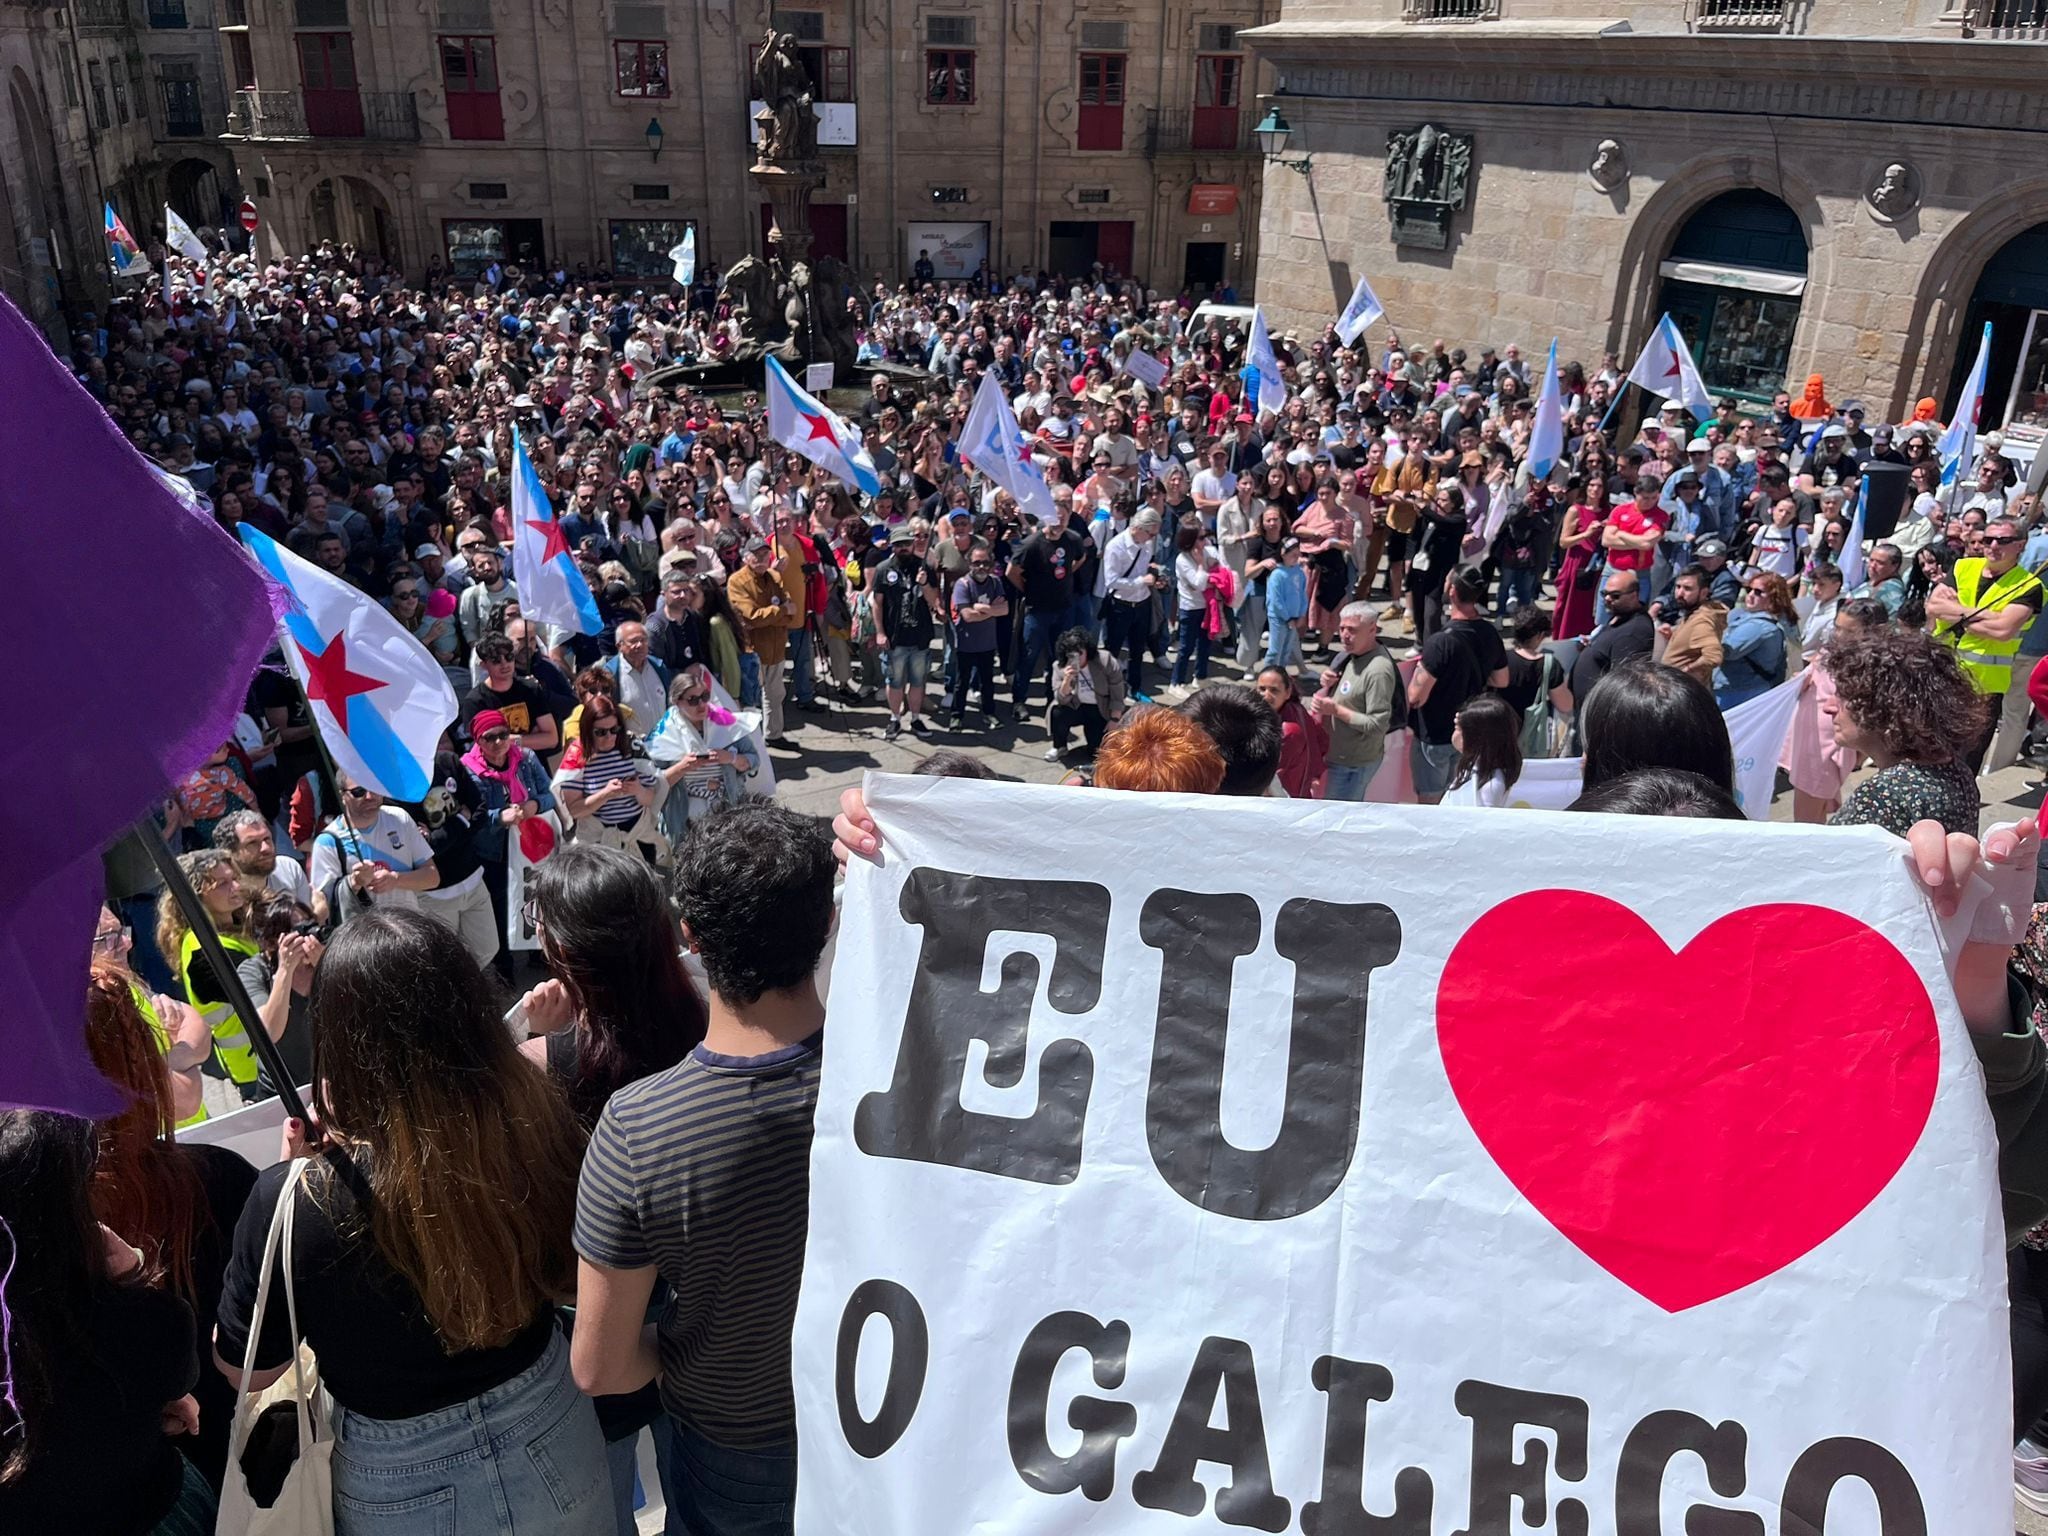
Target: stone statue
{"type": "Point", "coordinates": [1897, 190]}
{"type": "Point", "coordinates": [1428, 172]}
{"type": "Point", "coordinates": [789, 125]}
{"type": "Point", "coordinates": [1610, 165]}
{"type": "Point", "coordinates": [749, 288]}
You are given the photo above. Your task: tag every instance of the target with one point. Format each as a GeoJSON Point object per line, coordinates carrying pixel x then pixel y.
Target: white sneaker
{"type": "Point", "coordinates": [2030, 1479]}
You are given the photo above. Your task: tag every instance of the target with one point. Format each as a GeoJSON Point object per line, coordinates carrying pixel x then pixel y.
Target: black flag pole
{"type": "Point", "coordinates": [223, 969]}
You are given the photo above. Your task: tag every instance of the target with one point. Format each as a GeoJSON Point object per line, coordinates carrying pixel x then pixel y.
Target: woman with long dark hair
{"type": "Point", "coordinates": [1488, 736]}
{"type": "Point", "coordinates": [432, 1246]}
{"type": "Point", "coordinates": [100, 1363]}
{"type": "Point", "coordinates": [175, 1203]}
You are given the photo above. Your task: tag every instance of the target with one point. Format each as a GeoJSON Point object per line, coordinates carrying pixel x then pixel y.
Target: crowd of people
{"type": "Point", "coordinates": [530, 1225]}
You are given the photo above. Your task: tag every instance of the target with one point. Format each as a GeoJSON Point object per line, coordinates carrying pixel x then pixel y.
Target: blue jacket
{"type": "Point", "coordinates": [1752, 658]}
{"type": "Point", "coordinates": [1286, 593]}
{"type": "Point", "coordinates": [614, 662]}
{"type": "Point", "coordinates": [489, 839]}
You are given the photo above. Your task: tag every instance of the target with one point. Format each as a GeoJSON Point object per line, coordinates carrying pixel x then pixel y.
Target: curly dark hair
{"type": "Point", "coordinates": [1908, 691]}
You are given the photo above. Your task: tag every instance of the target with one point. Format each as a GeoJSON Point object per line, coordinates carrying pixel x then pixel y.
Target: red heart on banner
{"type": "Point", "coordinates": [1690, 1122]}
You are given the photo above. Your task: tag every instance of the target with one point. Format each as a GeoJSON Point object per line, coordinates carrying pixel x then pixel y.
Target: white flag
{"type": "Point", "coordinates": [1959, 442]}
{"type": "Point", "coordinates": [685, 257]}
{"type": "Point", "coordinates": [1666, 369]}
{"type": "Point", "coordinates": [1259, 355]}
{"type": "Point", "coordinates": [1364, 308]}
{"type": "Point", "coordinates": [993, 444]}
{"type": "Point", "coordinates": [1854, 573]}
{"type": "Point", "coordinates": [1546, 440]}
{"type": "Point", "coordinates": [179, 237]}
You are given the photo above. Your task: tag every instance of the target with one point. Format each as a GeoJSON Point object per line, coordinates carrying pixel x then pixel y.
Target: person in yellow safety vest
{"type": "Point", "coordinates": [181, 1033]}
{"type": "Point", "coordinates": [1993, 599]}
{"type": "Point", "coordinates": [212, 876]}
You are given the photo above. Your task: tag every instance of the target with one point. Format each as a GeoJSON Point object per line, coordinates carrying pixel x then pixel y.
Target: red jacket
{"type": "Point", "coordinates": [1304, 742]}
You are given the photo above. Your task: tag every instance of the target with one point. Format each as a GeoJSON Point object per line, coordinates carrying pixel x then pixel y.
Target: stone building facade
{"type": "Point", "coordinates": [108, 101]}
{"type": "Point", "coordinates": [1844, 187]}
{"type": "Point", "coordinates": [1024, 132]}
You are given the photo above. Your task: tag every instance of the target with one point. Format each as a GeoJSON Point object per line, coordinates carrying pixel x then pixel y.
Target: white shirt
{"type": "Point", "coordinates": [1124, 565]}
{"type": "Point", "coordinates": [289, 876]}
{"type": "Point", "coordinates": [393, 840]}
{"type": "Point", "coordinates": [1210, 486]}
{"type": "Point", "coordinates": [1191, 582]}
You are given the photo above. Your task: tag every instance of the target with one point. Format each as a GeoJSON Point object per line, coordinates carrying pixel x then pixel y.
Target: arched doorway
{"type": "Point", "coordinates": [194, 188]}
{"type": "Point", "coordinates": [349, 211]}
{"type": "Point", "coordinates": [2012, 294]}
{"type": "Point", "coordinates": [1734, 280]}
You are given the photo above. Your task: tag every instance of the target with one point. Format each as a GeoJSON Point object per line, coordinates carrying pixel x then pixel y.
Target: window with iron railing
{"type": "Point", "coordinates": [2020, 19]}
{"type": "Point", "coordinates": [183, 117]}
{"type": "Point", "coordinates": [1764, 15]}
{"type": "Point", "coordinates": [1450, 10]}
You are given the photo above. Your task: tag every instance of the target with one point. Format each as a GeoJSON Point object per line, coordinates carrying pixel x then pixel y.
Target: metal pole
{"type": "Point", "coordinates": [223, 969]}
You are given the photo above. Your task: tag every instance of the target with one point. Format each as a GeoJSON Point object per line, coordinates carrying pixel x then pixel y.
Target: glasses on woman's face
{"type": "Point", "coordinates": [1754, 592]}
{"type": "Point", "coordinates": [405, 594]}
{"type": "Point", "coordinates": [492, 739]}
{"type": "Point", "coordinates": [601, 732]}
{"type": "Point", "coordinates": [696, 698]}
{"type": "Point", "coordinates": [111, 941]}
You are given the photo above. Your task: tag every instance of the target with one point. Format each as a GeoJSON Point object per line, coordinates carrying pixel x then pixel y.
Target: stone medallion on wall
{"type": "Point", "coordinates": [1609, 167]}
{"type": "Point", "coordinates": [1896, 192]}
{"type": "Point", "coordinates": [1427, 175]}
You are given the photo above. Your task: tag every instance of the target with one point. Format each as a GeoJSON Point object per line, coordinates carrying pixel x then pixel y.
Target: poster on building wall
{"type": "Point", "coordinates": [955, 250]}
{"type": "Point", "coordinates": [1230, 1188]}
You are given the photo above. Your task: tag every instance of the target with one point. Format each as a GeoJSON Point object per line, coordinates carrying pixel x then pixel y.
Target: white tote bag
{"type": "Point", "coordinates": [305, 1504]}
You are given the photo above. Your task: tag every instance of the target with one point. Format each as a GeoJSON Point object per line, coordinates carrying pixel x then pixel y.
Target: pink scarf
{"type": "Point", "coordinates": [508, 775]}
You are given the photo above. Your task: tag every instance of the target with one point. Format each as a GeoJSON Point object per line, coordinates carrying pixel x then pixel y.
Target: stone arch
{"type": "Point", "coordinates": [1949, 281]}
{"type": "Point", "coordinates": [364, 206]}
{"type": "Point", "coordinates": [1683, 193]}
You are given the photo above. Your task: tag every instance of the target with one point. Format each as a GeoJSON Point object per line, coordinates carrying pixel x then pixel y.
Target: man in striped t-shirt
{"type": "Point", "coordinates": [701, 1175]}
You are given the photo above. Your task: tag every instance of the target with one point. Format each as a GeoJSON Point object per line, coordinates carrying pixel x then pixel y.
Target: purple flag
{"type": "Point", "coordinates": [137, 623]}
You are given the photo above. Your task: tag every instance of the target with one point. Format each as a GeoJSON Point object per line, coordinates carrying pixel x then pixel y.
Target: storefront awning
{"type": "Point", "coordinates": [1787, 285]}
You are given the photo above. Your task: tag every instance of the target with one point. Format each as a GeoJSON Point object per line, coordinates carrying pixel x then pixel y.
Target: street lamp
{"type": "Point", "coordinates": [1272, 133]}
{"type": "Point", "coordinates": [654, 136]}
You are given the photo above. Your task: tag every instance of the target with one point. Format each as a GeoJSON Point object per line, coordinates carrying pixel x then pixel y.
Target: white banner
{"type": "Point", "coordinates": [1339, 1168]}
{"type": "Point", "coordinates": [1144, 367]}
{"type": "Point", "coordinates": [956, 250]}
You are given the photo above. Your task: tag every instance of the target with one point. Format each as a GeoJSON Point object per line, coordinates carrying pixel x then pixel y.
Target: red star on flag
{"type": "Point", "coordinates": [551, 531]}
{"type": "Point", "coordinates": [1023, 453]}
{"type": "Point", "coordinates": [328, 679]}
{"type": "Point", "coordinates": [821, 426]}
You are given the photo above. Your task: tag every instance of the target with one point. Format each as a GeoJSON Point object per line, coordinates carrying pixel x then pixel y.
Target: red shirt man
{"type": "Point", "coordinates": [1634, 532]}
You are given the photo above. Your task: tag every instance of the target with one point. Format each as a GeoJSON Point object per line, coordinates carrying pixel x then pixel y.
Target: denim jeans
{"type": "Point", "coordinates": [713, 1490]}
{"type": "Point", "coordinates": [750, 680]}
{"type": "Point", "coordinates": [622, 1457]}
{"type": "Point", "coordinates": [800, 664]}
{"type": "Point", "coordinates": [1034, 654]}
{"type": "Point", "coordinates": [523, 1457]}
{"type": "Point", "coordinates": [1432, 765]}
{"type": "Point", "coordinates": [1343, 781]}
{"type": "Point", "coordinates": [1193, 660]}
{"type": "Point", "coordinates": [1283, 647]}
{"type": "Point", "coordinates": [1516, 588]}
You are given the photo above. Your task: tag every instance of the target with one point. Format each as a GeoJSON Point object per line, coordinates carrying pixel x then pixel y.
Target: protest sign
{"type": "Point", "coordinates": [1144, 367]}
{"type": "Point", "coordinates": [1345, 1168]}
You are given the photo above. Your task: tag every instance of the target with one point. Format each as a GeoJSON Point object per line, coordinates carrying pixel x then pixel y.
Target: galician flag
{"type": "Point", "coordinates": [1263, 367]}
{"type": "Point", "coordinates": [1666, 369]}
{"type": "Point", "coordinates": [122, 250]}
{"type": "Point", "coordinates": [685, 257]}
{"type": "Point", "coordinates": [803, 425]}
{"type": "Point", "coordinates": [178, 235]}
{"type": "Point", "coordinates": [551, 585]}
{"type": "Point", "coordinates": [1959, 442]}
{"type": "Point", "coordinates": [1546, 440]}
{"type": "Point", "coordinates": [1364, 308]}
{"type": "Point", "coordinates": [378, 697]}
{"type": "Point", "coordinates": [993, 444]}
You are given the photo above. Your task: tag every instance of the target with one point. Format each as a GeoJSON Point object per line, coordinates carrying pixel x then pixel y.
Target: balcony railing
{"type": "Point", "coordinates": [1199, 131]}
{"type": "Point", "coordinates": [1738, 15]}
{"type": "Point", "coordinates": [389, 115]}
{"type": "Point", "coordinates": [100, 15]}
{"type": "Point", "coordinates": [1450, 10]}
{"type": "Point", "coordinates": [2022, 20]}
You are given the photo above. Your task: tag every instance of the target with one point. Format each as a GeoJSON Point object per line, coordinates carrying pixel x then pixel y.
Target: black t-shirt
{"type": "Point", "coordinates": [448, 819]}
{"type": "Point", "coordinates": [224, 1182]}
{"type": "Point", "coordinates": [524, 704]}
{"type": "Point", "coordinates": [1525, 676]}
{"type": "Point", "coordinates": [1262, 548]}
{"type": "Point", "coordinates": [1050, 566]}
{"type": "Point", "coordinates": [274, 690]}
{"type": "Point", "coordinates": [105, 1464]}
{"type": "Point", "coordinates": [1461, 657]}
{"type": "Point", "coordinates": [676, 643]}
{"type": "Point", "coordinates": [379, 1355]}
{"type": "Point", "coordinates": [1617, 640]}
